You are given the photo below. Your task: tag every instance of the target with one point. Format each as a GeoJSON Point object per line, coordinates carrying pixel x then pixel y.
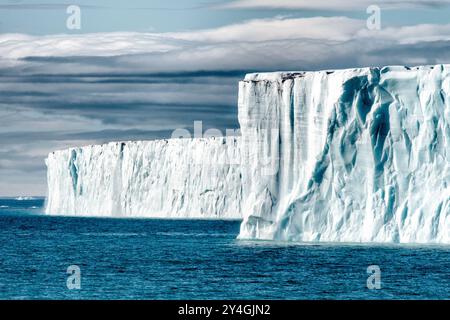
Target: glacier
{"type": "Point", "coordinates": [174, 178]}
{"type": "Point", "coordinates": [356, 155]}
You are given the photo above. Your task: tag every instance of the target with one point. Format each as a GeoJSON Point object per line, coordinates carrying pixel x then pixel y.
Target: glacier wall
{"type": "Point", "coordinates": [360, 155]}
{"type": "Point", "coordinates": [176, 178]}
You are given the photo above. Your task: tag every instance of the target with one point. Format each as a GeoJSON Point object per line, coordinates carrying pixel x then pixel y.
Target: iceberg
{"type": "Point", "coordinates": [175, 178]}
{"type": "Point", "coordinates": [356, 155]}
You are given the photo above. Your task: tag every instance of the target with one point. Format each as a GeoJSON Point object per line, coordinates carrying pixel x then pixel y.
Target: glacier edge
{"type": "Point", "coordinates": [174, 178]}
{"type": "Point", "coordinates": [356, 155]}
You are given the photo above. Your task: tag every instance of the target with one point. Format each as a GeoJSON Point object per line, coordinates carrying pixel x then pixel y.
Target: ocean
{"type": "Point", "coordinates": [198, 259]}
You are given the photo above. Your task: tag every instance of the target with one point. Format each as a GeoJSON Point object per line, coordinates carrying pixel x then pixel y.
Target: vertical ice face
{"type": "Point", "coordinates": [178, 178]}
{"type": "Point", "coordinates": [358, 155]}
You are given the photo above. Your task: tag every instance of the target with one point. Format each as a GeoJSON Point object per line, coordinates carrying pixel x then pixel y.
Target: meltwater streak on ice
{"type": "Point", "coordinates": [357, 155]}
{"type": "Point", "coordinates": [176, 178]}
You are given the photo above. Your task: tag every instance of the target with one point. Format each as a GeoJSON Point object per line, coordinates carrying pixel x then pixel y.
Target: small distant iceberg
{"type": "Point", "coordinates": [23, 198]}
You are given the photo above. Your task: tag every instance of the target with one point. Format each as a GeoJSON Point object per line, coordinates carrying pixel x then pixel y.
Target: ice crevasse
{"type": "Point", "coordinates": [355, 155]}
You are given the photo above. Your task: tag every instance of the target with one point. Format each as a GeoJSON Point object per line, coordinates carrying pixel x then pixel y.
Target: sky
{"type": "Point", "coordinates": [138, 70]}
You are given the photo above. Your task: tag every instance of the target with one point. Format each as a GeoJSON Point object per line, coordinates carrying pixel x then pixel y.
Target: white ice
{"type": "Point", "coordinates": [358, 155]}
{"type": "Point", "coordinates": [176, 178]}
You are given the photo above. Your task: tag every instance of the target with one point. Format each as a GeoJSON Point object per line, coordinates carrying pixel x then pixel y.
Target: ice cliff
{"type": "Point", "coordinates": [358, 155]}
{"type": "Point", "coordinates": [176, 178]}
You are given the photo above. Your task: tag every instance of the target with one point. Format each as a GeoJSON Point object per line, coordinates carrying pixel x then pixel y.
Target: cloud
{"type": "Point", "coordinates": [333, 5]}
{"type": "Point", "coordinates": [319, 28]}
{"type": "Point", "coordinates": [16, 46]}
{"type": "Point", "coordinates": [410, 34]}
{"type": "Point", "coordinates": [240, 46]}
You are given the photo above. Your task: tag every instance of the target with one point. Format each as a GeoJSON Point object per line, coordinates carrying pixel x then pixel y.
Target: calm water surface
{"type": "Point", "coordinates": [162, 259]}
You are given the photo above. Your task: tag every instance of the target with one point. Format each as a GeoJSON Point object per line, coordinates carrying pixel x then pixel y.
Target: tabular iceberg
{"type": "Point", "coordinates": [176, 178]}
{"type": "Point", "coordinates": [358, 155]}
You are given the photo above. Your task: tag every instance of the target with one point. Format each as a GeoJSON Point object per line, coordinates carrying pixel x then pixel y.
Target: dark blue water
{"type": "Point", "coordinates": [160, 259]}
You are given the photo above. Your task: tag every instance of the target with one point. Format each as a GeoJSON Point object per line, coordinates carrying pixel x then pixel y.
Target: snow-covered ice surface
{"type": "Point", "coordinates": [176, 178]}
{"type": "Point", "coordinates": [357, 155]}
